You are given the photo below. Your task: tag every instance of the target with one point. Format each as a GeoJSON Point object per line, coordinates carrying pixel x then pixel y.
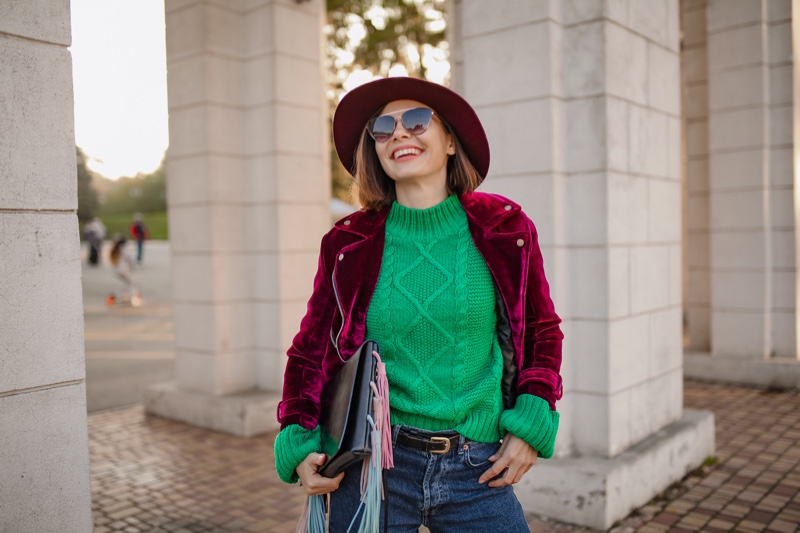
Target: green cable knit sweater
{"type": "Point", "coordinates": [433, 315]}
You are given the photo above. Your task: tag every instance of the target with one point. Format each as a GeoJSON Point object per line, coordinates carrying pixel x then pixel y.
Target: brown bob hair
{"type": "Point", "coordinates": [373, 188]}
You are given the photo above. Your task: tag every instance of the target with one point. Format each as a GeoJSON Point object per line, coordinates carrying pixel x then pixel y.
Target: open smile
{"type": "Point", "coordinates": [406, 151]}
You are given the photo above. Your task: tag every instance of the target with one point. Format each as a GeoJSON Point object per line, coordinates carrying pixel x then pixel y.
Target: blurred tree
{"type": "Point", "coordinates": [87, 195]}
{"type": "Point", "coordinates": [145, 192]}
{"type": "Point", "coordinates": [381, 37]}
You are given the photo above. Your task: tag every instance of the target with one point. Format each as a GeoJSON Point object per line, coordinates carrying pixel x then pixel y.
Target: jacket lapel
{"type": "Point", "coordinates": [356, 271]}
{"type": "Point", "coordinates": [505, 253]}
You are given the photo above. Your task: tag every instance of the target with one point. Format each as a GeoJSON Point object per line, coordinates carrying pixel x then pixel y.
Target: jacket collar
{"type": "Point", "coordinates": [483, 209]}
{"type": "Point", "coordinates": [365, 224]}
{"type": "Point", "coordinates": [487, 210]}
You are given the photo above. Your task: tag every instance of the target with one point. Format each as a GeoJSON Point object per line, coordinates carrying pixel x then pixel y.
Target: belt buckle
{"type": "Point", "coordinates": [445, 440]}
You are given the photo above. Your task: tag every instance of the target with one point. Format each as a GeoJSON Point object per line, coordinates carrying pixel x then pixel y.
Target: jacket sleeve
{"type": "Point", "coordinates": [304, 375]}
{"type": "Point", "coordinates": [539, 373]}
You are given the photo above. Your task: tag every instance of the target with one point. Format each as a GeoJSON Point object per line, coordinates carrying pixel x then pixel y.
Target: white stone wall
{"type": "Point", "coordinates": [751, 217]}
{"type": "Point", "coordinates": [44, 459]}
{"type": "Point", "coordinates": [248, 184]}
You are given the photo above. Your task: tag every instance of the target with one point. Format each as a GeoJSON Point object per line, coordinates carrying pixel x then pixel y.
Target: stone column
{"type": "Point", "coordinates": [44, 453]}
{"type": "Point", "coordinates": [741, 207]}
{"type": "Point", "coordinates": [583, 117]}
{"type": "Point", "coordinates": [694, 78]}
{"type": "Point", "coordinates": [750, 137]}
{"type": "Point", "coordinates": [248, 201]}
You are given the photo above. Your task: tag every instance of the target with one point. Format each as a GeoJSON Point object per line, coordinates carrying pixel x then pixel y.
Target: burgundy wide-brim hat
{"type": "Point", "coordinates": [358, 106]}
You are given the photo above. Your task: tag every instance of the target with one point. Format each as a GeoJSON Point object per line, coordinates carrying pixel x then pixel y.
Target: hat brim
{"type": "Point", "coordinates": [358, 106]}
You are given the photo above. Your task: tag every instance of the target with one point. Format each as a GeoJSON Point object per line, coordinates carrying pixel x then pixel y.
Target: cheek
{"type": "Point", "coordinates": [383, 159]}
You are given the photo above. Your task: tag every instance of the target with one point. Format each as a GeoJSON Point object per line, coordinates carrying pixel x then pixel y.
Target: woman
{"type": "Point", "coordinates": [450, 283]}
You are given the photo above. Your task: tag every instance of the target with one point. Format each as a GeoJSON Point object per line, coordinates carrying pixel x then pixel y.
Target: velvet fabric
{"type": "Point", "coordinates": [349, 264]}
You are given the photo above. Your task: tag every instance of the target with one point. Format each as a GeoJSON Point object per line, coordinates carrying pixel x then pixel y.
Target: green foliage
{"type": "Point", "coordinates": [87, 195]}
{"type": "Point", "coordinates": [377, 34]}
{"type": "Point", "coordinates": [156, 224]}
{"type": "Point", "coordinates": [144, 193]}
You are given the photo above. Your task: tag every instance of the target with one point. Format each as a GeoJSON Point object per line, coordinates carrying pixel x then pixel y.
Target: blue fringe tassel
{"type": "Point", "coordinates": [371, 488]}
{"type": "Point", "coordinates": [316, 514]}
{"type": "Point", "coordinates": [313, 517]}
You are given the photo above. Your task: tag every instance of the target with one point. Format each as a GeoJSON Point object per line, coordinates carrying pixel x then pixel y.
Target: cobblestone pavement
{"type": "Point", "coordinates": [152, 474]}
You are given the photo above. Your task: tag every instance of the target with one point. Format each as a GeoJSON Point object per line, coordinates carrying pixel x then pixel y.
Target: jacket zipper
{"type": "Point", "coordinates": [335, 341]}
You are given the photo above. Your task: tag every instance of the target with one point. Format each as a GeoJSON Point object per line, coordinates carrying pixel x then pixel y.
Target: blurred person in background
{"type": "Point", "coordinates": [138, 233]}
{"type": "Point", "coordinates": [93, 233]}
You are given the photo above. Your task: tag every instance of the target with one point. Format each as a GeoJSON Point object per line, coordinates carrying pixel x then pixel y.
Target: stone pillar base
{"type": "Point", "coordinates": [596, 492]}
{"type": "Point", "coordinates": [244, 414]}
{"type": "Point", "coordinates": [778, 373]}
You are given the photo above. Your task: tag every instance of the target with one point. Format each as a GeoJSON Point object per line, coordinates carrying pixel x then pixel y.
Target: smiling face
{"type": "Point", "coordinates": [415, 160]}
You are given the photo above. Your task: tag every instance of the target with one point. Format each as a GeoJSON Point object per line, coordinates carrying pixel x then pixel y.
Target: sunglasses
{"type": "Point", "coordinates": [416, 121]}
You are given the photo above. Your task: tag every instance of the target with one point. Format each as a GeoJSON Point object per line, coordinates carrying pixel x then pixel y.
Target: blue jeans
{"type": "Point", "coordinates": [439, 491]}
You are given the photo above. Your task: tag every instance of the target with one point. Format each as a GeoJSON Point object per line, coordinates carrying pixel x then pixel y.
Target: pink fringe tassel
{"type": "Point", "coordinates": [383, 418]}
{"type": "Point", "coordinates": [302, 523]}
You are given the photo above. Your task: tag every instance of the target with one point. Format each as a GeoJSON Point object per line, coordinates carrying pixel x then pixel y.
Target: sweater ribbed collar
{"type": "Point", "coordinates": [441, 220]}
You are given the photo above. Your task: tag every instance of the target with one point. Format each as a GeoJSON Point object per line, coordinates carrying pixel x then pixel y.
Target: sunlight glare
{"type": "Point", "coordinates": [120, 84]}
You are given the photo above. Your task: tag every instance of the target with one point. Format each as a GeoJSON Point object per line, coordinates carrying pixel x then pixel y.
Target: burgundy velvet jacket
{"type": "Point", "coordinates": [349, 265]}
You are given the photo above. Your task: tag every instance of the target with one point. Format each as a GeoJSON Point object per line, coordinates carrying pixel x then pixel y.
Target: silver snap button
{"type": "Point", "coordinates": [520, 242]}
{"type": "Point", "coordinates": [346, 222]}
{"type": "Point", "coordinates": [341, 256]}
{"type": "Point", "coordinates": [508, 208]}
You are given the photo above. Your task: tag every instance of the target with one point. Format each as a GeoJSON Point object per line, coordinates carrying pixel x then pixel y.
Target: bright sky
{"type": "Point", "coordinates": [120, 80]}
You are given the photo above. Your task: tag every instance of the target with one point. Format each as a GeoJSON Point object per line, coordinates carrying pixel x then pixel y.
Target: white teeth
{"type": "Point", "coordinates": [406, 151]}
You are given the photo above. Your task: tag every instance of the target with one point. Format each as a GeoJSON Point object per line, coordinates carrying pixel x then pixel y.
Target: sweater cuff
{"type": "Point", "coordinates": [292, 446]}
{"type": "Point", "coordinates": [532, 421]}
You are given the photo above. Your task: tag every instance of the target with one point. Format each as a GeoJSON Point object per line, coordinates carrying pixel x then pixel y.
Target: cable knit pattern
{"type": "Point", "coordinates": [433, 315]}
{"type": "Point", "coordinates": [292, 446]}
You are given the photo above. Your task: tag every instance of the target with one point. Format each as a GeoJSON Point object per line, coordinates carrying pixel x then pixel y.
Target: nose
{"type": "Point", "coordinates": [400, 131]}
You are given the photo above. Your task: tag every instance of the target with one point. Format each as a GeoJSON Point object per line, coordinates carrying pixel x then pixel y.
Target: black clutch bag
{"type": "Point", "coordinates": [346, 432]}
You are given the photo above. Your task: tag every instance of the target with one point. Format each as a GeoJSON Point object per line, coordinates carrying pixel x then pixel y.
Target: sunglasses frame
{"type": "Point", "coordinates": [402, 113]}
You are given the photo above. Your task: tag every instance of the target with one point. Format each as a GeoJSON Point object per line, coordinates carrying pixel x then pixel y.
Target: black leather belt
{"type": "Point", "coordinates": [427, 442]}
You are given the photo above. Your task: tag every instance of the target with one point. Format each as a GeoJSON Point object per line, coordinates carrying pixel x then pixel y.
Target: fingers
{"type": "Point", "coordinates": [313, 483]}
{"type": "Point", "coordinates": [322, 485]}
{"type": "Point", "coordinates": [512, 476]}
{"type": "Point", "coordinates": [513, 460]}
{"type": "Point", "coordinates": [499, 453]}
{"type": "Point", "coordinates": [495, 470]}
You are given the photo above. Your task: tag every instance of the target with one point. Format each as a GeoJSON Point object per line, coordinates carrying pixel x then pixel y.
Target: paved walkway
{"type": "Point", "coordinates": [128, 348]}
{"type": "Point", "coordinates": [152, 474]}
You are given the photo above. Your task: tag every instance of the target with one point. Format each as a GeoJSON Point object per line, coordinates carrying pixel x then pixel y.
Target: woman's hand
{"type": "Point", "coordinates": [515, 457]}
{"type": "Point", "coordinates": [312, 482]}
